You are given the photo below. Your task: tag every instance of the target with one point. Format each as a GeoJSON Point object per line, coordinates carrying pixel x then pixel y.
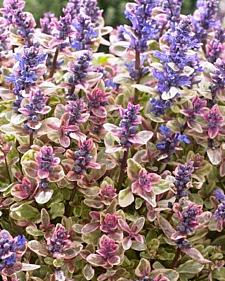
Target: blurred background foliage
{"type": "Point", "coordinates": [113, 9]}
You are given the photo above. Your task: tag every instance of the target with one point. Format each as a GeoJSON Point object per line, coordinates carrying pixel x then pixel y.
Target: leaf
{"type": "Point", "coordinates": [142, 137]}
{"type": "Point", "coordinates": [88, 272]}
{"type": "Point", "coordinates": [42, 197]}
{"type": "Point", "coordinates": [29, 267]}
{"type": "Point", "coordinates": [161, 187]}
{"type": "Point", "coordinates": [214, 155]}
{"type": "Point", "coordinates": [57, 209]}
{"type": "Point", "coordinates": [195, 255]}
{"type": "Point", "coordinates": [34, 231]}
{"type": "Point", "coordinates": [219, 274]}
{"type": "Point", "coordinates": [166, 227]}
{"type": "Point", "coordinates": [38, 248]}
{"type": "Point", "coordinates": [95, 260]}
{"type": "Point", "coordinates": [133, 169]}
{"type": "Point", "coordinates": [170, 94]}
{"type": "Point", "coordinates": [192, 267]}
{"type": "Point", "coordinates": [171, 274]}
{"type": "Point", "coordinates": [126, 197]}
{"type": "Point", "coordinates": [143, 88]}
{"type": "Point", "coordinates": [27, 212]}
{"type": "Point", "coordinates": [143, 269]}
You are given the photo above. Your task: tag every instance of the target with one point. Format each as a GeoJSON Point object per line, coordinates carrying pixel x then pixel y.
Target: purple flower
{"type": "Point", "coordinates": [172, 9]}
{"type": "Point", "coordinates": [129, 124]}
{"type": "Point", "coordinates": [97, 100]}
{"type": "Point", "coordinates": [46, 161]}
{"type": "Point", "coordinates": [215, 121]}
{"type": "Point", "coordinates": [48, 23]}
{"type": "Point", "coordinates": [219, 216]}
{"type": "Point", "coordinates": [34, 107]}
{"type": "Point", "coordinates": [77, 111]}
{"type": "Point", "coordinates": [179, 66]}
{"type": "Point", "coordinates": [159, 106]}
{"type": "Point", "coordinates": [183, 243]}
{"type": "Point", "coordinates": [24, 21]}
{"type": "Point", "coordinates": [72, 8]}
{"type": "Point", "coordinates": [219, 194]}
{"type": "Point", "coordinates": [62, 32]}
{"type": "Point", "coordinates": [218, 78]}
{"type": "Point", "coordinates": [144, 26]}
{"type": "Point", "coordinates": [144, 184]}
{"type": "Point", "coordinates": [205, 18]}
{"type": "Point", "coordinates": [81, 160]}
{"type": "Point", "coordinates": [215, 47]}
{"type": "Point", "coordinates": [11, 251]}
{"type": "Point", "coordinates": [59, 241]}
{"type": "Point", "coordinates": [84, 33]}
{"type": "Point", "coordinates": [78, 71]}
{"type": "Point", "coordinates": [107, 254]}
{"type": "Point", "coordinates": [170, 141]}
{"type": "Point", "coordinates": [183, 175]}
{"type": "Point", "coordinates": [92, 10]}
{"type": "Point", "coordinates": [188, 218]}
{"type": "Point", "coordinates": [30, 66]}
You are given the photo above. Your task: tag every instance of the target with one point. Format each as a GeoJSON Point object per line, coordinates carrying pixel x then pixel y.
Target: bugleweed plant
{"type": "Point", "coordinates": [112, 164]}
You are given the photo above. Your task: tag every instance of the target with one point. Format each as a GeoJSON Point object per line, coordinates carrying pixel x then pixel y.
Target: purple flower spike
{"type": "Point", "coordinates": [107, 254]}
{"type": "Point", "coordinates": [48, 23]}
{"type": "Point", "coordinates": [188, 218]}
{"type": "Point", "coordinates": [215, 121]}
{"type": "Point", "coordinates": [81, 160]}
{"type": "Point", "coordinates": [11, 252]}
{"type": "Point", "coordinates": [24, 190]}
{"type": "Point", "coordinates": [183, 175]}
{"type": "Point", "coordinates": [46, 161]}
{"type": "Point", "coordinates": [59, 241]}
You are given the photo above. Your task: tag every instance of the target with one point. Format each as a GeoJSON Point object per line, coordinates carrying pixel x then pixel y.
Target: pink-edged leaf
{"type": "Point", "coordinates": [88, 272]}
{"type": "Point", "coordinates": [96, 260]}
{"type": "Point", "coordinates": [111, 128]}
{"type": "Point", "coordinates": [53, 123]}
{"type": "Point", "coordinates": [38, 248]}
{"type": "Point", "coordinates": [64, 141]}
{"type": "Point", "coordinates": [57, 174]}
{"type": "Point", "coordinates": [138, 225]}
{"type": "Point", "coordinates": [115, 260]}
{"type": "Point", "coordinates": [213, 132]}
{"type": "Point", "coordinates": [100, 112]}
{"type": "Point", "coordinates": [126, 243]}
{"type": "Point", "coordinates": [143, 269]}
{"type": "Point", "coordinates": [30, 168]}
{"type": "Point", "coordinates": [142, 137]}
{"type": "Point", "coordinates": [90, 227]}
{"type": "Point", "coordinates": [124, 225]}
{"type": "Point", "coordinates": [166, 227]}
{"type": "Point", "coordinates": [195, 255]}
{"type": "Point", "coordinates": [29, 267]}
{"type": "Point", "coordinates": [222, 169]}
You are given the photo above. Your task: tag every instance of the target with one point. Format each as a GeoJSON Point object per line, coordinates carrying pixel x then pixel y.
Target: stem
{"type": "Point", "coordinates": [123, 167]}
{"type": "Point", "coordinates": [31, 138]}
{"type": "Point", "coordinates": [7, 169]}
{"type": "Point", "coordinates": [54, 63]}
{"type": "Point", "coordinates": [176, 258]}
{"type": "Point", "coordinates": [137, 68]}
{"type": "Point", "coordinates": [69, 207]}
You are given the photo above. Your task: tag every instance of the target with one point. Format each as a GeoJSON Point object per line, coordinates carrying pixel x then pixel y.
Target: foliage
{"type": "Point", "coordinates": [112, 164]}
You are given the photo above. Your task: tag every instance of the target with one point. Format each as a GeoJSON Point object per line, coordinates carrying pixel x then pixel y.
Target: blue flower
{"type": "Point", "coordinates": [184, 139]}
{"type": "Point", "coordinates": [159, 106]}
{"type": "Point", "coordinates": [219, 194]}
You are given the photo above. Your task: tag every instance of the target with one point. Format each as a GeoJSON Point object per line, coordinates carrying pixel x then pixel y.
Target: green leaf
{"type": "Point", "coordinates": [27, 212]}
{"type": "Point", "coordinates": [192, 267]}
{"type": "Point", "coordinates": [57, 210]}
{"type": "Point", "coordinates": [219, 274]}
{"type": "Point", "coordinates": [88, 272]}
{"type": "Point", "coordinates": [32, 230]}
{"type": "Point", "coordinates": [133, 169]}
{"type": "Point", "coordinates": [161, 187]}
{"type": "Point", "coordinates": [126, 197]}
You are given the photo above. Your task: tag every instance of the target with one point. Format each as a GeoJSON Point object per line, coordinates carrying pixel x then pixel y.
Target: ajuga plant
{"type": "Point", "coordinates": [112, 163]}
